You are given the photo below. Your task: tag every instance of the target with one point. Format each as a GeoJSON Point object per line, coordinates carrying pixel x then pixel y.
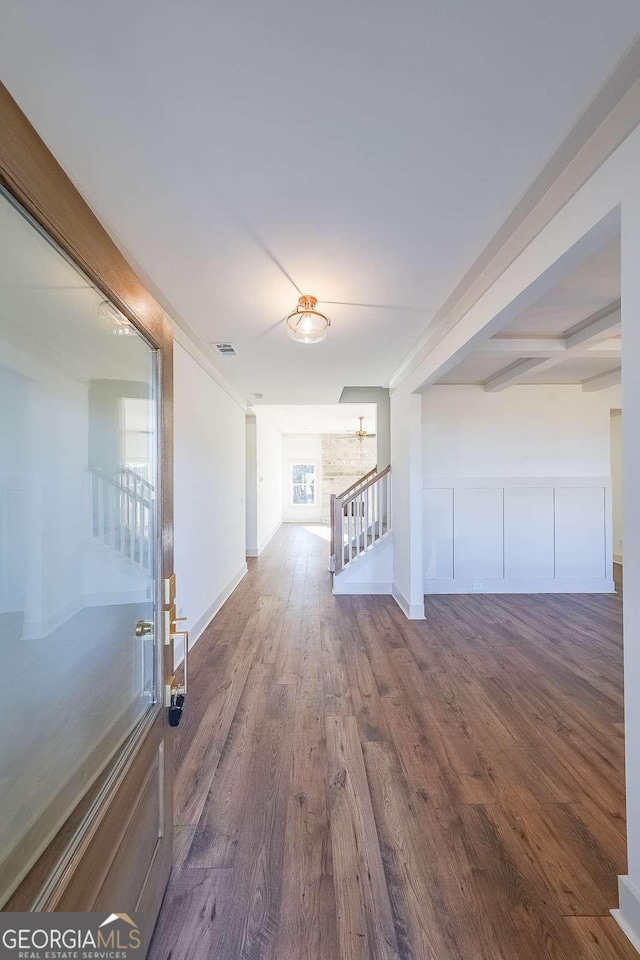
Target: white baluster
{"type": "Point", "coordinates": [388, 501]}
{"type": "Point", "coordinates": [366, 518]}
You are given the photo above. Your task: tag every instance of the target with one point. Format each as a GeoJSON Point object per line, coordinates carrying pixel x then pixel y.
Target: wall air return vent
{"type": "Point", "coordinates": [226, 349]}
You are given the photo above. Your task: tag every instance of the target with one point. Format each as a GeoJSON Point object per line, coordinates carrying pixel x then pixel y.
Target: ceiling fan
{"type": "Point", "coordinates": [360, 434]}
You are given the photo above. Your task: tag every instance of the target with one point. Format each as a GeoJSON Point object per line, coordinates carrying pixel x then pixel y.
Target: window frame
{"type": "Point", "coordinates": [314, 485]}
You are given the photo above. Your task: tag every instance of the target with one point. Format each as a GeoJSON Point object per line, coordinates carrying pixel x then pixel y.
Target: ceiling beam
{"type": "Point", "coordinates": [582, 342]}
{"type": "Point", "coordinates": [516, 347]}
{"type": "Point", "coordinates": [610, 379]}
{"type": "Point", "coordinates": [511, 374]}
{"type": "Point", "coordinates": [522, 346]}
{"type": "Point", "coordinates": [599, 327]}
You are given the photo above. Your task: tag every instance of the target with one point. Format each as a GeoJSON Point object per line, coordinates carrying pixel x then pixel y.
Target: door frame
{"type": "Point", "coordinates": [31, 174]}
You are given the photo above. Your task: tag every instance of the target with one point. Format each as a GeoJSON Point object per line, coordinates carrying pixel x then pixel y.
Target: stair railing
{"type": "Point", "coordinates": [360, 517]}
{"type": "Point", "coordinates": [342, 496]}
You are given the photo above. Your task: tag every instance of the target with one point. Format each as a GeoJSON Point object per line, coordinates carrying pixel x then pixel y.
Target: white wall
{"type": "Point", "coordinates": [616, 483]}
{"type": "Point", "coordinates": [269, 478]}
{"type": "Point", "coordinates": [537, 431]}
{"type": "Point", "coordinates": [251, 486]}
{"type": "Point", "coordinates": [209, 451]}
{"type": "Point", "coordinates": [516, 489]}
{"type": "Point", "coordinates": [301, 448]}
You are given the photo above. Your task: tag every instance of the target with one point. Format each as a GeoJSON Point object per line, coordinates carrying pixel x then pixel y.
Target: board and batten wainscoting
{"type": "Point", "coordinates": [518, 535]}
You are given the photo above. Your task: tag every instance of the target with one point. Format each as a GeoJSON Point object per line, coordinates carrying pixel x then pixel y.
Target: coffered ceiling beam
{"type": "Point", "coordinates": [546, 348]}
{"type": "Point", "coordinates": [604, 380]}
{"type": "Point", "coordinates": [582, 342]}
{"type": "Point", "coordinates": [600, 327]}
{"type": "Point", "coordinates": [512, 374]}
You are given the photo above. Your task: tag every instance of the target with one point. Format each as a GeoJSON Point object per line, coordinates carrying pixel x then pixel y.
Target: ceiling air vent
{"type": "Point", "coordinates": [226, 349]}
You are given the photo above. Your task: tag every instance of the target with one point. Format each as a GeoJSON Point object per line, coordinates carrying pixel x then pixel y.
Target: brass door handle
{"type": "Point", "coordinates": [144, 628]}
{"type": "Point", "coordinates": [174, 693]}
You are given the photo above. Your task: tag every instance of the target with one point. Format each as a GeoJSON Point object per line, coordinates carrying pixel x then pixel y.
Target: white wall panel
{"type": "Point", "coordinates": [438, 534]}
{"type": "Point", "coordinates": [580, 532]}
{"type": "Point", "coordinates": [528, 532]}
{"type": "Point", "coordinates": [478, 533]}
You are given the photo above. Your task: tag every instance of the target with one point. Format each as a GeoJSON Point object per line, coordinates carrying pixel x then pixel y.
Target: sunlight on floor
{"type": "Point", "coordinates": [320, 530]}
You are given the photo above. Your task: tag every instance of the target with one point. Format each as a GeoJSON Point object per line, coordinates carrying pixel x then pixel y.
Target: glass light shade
{"type": "Point", "coordinates": [114, 321]}
{"type": "Point", "coordinates": [306, 324]}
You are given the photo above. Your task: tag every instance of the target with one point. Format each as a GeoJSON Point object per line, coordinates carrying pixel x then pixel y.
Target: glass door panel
{"type": "Point", "coordinates": [78, 521]}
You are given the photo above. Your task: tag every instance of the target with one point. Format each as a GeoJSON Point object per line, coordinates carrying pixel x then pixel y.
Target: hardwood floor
{"type": "Point", "coordinates": [354, 785]}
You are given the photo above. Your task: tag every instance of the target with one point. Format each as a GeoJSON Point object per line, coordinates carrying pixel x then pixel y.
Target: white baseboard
{"type": "Point", "coordinates": [364, 589]}
{"type": "Point", "coordinates": [412, 611]}
{"type": "Point", "coordinates": [628, 915]}
{"type": "Point", "coordinates": [253, 552]}
{"type": "Point", "coordinates": [600, 585]}
{"type": "Point", "coordinates": [201, 624]}
{"type": "Point", "coordinates": [39, 629]}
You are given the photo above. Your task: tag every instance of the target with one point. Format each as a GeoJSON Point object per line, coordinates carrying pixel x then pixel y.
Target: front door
{"type": "Point", "coordinates": [86, 587]}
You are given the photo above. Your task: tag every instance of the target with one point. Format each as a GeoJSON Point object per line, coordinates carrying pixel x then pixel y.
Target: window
{"type": "Point", "coordinates": [303, 484]}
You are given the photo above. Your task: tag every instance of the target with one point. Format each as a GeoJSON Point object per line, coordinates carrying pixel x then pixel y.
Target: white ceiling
{"type": "Point", "coordinates": [591, 290]}
{"type": "Point", "coordinates": [368, 152]}
{"type": "Point", "coordinates": [321, 418]}
{"type": "Point", "coordinates": [594, 285]}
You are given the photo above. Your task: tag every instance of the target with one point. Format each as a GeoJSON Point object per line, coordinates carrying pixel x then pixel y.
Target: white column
{"type": "Point", "coordinates": [629, 914]}
{"type": "Point", "coordinates": [406, 501]}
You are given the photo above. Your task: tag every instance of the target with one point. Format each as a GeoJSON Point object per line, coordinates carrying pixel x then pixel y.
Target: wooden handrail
{"type": "Point", "coordinates": [365, 486]}
{"type": "Point", "coordinates": [344, 493]}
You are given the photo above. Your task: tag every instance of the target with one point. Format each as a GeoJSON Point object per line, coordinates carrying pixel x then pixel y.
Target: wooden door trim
{"type": "Point", "coordinates": [31, 174]}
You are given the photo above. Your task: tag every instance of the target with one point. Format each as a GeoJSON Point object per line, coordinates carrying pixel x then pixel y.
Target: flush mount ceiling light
{"type": "Point", "coordinates": [306, 324]}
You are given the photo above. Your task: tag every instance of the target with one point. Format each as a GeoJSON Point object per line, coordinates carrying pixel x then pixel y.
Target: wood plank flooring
{"type": "Point", "coordinates": [352, 785]}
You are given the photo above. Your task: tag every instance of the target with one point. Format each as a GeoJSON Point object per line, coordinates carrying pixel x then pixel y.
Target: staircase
{"type": "Point", "coordinates": [360, 518]}
{"type": "Point", "coordinates": [122, 514]}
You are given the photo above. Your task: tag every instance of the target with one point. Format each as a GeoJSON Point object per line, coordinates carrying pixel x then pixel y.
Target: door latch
{"type": "Point", "coordinates": [175, 693]}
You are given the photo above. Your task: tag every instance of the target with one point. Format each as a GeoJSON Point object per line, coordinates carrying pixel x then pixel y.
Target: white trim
{"type": "Point", "coordinates": [438, 483]}
{"type": "Point", "coordinates": [39, 629]}
{"type": "Point", "coordinates": [201, 624]}
{"type": "Point", "coordinates": [354, 588]}
{"type": "Point", "coordinates": [267, 540]}
{"type": "Point", "coordinates": [412, 611]}
{"type": "Point", "coordinates": [311, 462]}
{"type": "Point", "coordinates": [628, 915]}
{"type": "Point", "coordinates": [513, 585]}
